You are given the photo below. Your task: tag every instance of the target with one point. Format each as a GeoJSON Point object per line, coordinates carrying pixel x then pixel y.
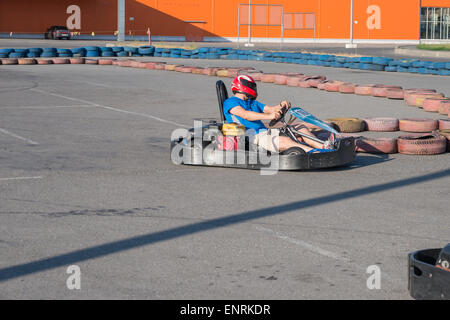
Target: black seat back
{"type": "Point", "coordinates": [222, 95]}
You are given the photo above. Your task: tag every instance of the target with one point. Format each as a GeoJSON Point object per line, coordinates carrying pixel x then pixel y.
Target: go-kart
{"type": "Point", "coordinates": [204, 144]}
{"type": "Point", "coordinates": [429, 274]}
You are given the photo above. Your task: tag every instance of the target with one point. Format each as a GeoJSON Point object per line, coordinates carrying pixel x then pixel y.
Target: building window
{"type": "Point", "coordinates": [435, 23]}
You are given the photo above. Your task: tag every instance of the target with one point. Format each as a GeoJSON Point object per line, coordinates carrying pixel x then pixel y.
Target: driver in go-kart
{"type": "Point", "coordinates": [244, 109]}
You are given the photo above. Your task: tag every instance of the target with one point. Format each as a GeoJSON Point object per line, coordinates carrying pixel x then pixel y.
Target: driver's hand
{"type": "Point", "coordinates": [275, 115]}
{"type": "Point", "coordinates": [286, 104]}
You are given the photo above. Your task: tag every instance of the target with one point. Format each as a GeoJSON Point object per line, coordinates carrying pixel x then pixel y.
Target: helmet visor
{"type": "Point", "coordinates": [249, 84]}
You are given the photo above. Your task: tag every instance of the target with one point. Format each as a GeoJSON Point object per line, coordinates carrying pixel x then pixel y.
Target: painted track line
{"type": "Point", "coordinates": [47, 107]}
{"type": "Point", "coordinates": [21, 178]}
{"type": "Point", "coordinates": [305, 245]}
{"type": "Point", "coordinates": [322, 252]}
{"type": "Point", "coordinates": [29, 141]}
{"type": "Point", "coordinates": [145, 115]}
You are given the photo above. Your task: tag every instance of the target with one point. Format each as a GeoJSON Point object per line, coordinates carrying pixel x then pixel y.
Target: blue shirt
{"type": "Point", "coordinates": [249, 105]}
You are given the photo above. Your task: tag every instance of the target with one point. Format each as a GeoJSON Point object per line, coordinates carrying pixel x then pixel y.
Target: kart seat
{"type": "Point", "coordinates": [222, 95]}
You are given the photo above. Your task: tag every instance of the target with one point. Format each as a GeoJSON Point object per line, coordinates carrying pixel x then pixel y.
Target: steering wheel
{"type": "Point", "coordinates": [274, 121]}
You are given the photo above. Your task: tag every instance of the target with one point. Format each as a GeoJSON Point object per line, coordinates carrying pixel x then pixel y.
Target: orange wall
{"type": "Point", "coordinates": [399, 18]}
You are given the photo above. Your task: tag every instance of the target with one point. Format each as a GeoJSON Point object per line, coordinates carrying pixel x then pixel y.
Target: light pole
{"type": "Point", "coordinates": [351, 44]}
{"type": "Point", "coordinates": [121, 20]}
{"type": "Point", "coordinates": [249, 44]}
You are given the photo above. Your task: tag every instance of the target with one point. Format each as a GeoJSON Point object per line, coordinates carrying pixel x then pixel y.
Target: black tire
{"type": "Point", "coordinates": [294, 151]}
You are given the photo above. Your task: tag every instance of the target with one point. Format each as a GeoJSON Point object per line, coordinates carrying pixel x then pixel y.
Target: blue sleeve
{"type": "Point", "coordinates": [229, 104]}
{"type": "Point", "coordinates": [260, 106]}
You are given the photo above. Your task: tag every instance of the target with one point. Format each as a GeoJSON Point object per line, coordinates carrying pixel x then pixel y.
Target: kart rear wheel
{"type": "Point", "coordinates": [294, 151]}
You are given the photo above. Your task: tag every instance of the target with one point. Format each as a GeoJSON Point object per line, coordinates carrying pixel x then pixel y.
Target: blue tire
{"type": "Point", "coordinates": [125, 54]}
{"type": "Point", "coordinates": [444, 72]}
{"type": "Point", "coordinates": [212, 56]}
{"type": "Point", "coordinates": [35, 50]}
{"type": "Point", "coordinates": [63, 51]}
{"type": "Point", "coordinates": [337, 65]}
{"type": "Point", "coordinates": [366, 59]}
{"type": "Point", "coordinates": [405, 63]}
{"type": "Point", "coordinates": [117, 49]}
{"type": "Point", "coordinates": [439, 65]}
{"type": "Point", "coordinates": [402, 69]}
{"type": "Point", "coordinates": [422, 70]}
{"type": "Point", "coordinates": [390, 69]}
{"type": "Point", "coordinates": [23, 51]}
{"type": "Point", "coordinates": [91, 48]}
{"type": "Point", "coordinates": [79, 51]}
{"type": "Point", "coordinates": [146, 51]}
{"type": "Point", "coordinates": [108, 54]}
{"type": "Point", "coordinates": [243, 57]}
{"type": "Point", "coordinates": [447, 66]}
{"type": "Point", "coordinates": [92, 53]}
{"type": "Point", "coordinates": [17, 55]}
{"type": "Point", "coordinates": [6, 51]}
{"type": "Point", "coordinates": [131, 49]}
{"type": "Point", "coordinates": [48, 54]}
{"type": "Point", "coordinates": [381, 60]}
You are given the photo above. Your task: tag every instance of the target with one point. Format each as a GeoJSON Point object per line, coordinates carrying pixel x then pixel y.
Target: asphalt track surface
{"type": "Point", "coordinates": [86, 180]}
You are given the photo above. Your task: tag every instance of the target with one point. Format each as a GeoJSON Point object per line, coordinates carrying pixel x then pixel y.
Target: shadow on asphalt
{"type": "Point", "coordinates": [94, 252]}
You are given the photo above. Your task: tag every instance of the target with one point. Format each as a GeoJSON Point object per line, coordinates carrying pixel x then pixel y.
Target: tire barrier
{"type": "Point", "coordinates": [280, 79]}
{"type": "Point", "coordinates": [445, 133]}
{"type": "Point", "coordinates": [382, 124]}
{"type": "Point", "coordinates": [347, 88]}
{"type": "Point", "coordinates": [380, 90]}
{"type": "Point", "coordinates": [364, 90]}
{"type": "Point", "coordinates": [91, 61]}
{"type": "Point", "coordinates": [26, 61]}
{"type": "Point", "coordinates": [321, 85]}
{"type": "Point", "coordinates": [303, 58]}
{"type": "Point", "coordinates": [268, 78]}
{"type": "Point", "coordinates": [444, 124]}
{"type": "Point", "coordinates": [417, 98]}
{"type": "Point", "coordinates": [333, 86]}
{"type": "Point", "coordinates": [395, 93]}
{"type": "Point", "coordinates": [44, 61]}
{"type": "Point", "coordinates": [104, 62]}
{"type": "Point", "coordinates": [61, 61]}
{"type": "Point", "coordinates": [348, 125]}
{"type": "Point", "coordinates": [418, 125]}
{"type": "Point", "coordinates": [444, 107]}
{"type": "Point", "coordinates": [223, 73]}
{"type": "Point", "coordinates": [376, 145]}
{"type": "Point", "coordinates": [429, 144]}
{"type": "Point", "coordinates": [10, 61]}
{"type": "Point", "coordinates": [76, 60]}
{"type": "Point", "coordinates": [433, 104]}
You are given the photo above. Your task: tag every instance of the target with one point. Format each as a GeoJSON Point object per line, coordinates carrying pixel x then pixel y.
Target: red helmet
{"type": "Point", "coordinates": [245, 84]}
